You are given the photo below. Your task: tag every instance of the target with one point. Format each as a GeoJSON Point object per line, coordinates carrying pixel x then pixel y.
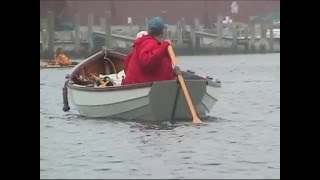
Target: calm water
{"type": "Point", "coordinates": [241, 140]}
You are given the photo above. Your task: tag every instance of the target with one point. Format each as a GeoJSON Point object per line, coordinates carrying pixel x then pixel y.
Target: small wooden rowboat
{"type": "Point", "coordinates": [163, 100]}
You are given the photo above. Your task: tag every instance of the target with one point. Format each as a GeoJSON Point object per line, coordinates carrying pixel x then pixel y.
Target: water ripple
{"type": "Point", "coordinates": [241, 135]}
{"type": "Point", "coordinates": [115, 161]}
{"type": "Point", "coordinates": [71, 157]}
{"type": "Point", "coordinates": [211, 164]}
{"type": "Point", "coordinates": [252, 162]}
{"type": "Point", "coordinates": [102, 169]}
{"type": "Point", "coordinates": [186, 157]}
{"type": "Point", "coordinates": [270, 167]}
{"type": "Point", "coordinates": [186, 152]}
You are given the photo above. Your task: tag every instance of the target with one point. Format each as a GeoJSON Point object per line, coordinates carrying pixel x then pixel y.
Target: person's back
{"type": "Point", "coordinates": [149, 59]}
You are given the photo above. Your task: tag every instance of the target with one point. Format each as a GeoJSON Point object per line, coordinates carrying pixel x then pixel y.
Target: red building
{"type": "Point", "coordinates": [174, 9]}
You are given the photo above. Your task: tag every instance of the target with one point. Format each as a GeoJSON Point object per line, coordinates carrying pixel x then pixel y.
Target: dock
{"type": "Point", "coordinates": [231, 38]}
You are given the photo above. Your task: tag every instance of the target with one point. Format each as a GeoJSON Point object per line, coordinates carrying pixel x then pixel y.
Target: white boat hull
{"type": "Point", "coordinates": [154, 101]}
{"type": "Point", "coordinates": [160, 101]}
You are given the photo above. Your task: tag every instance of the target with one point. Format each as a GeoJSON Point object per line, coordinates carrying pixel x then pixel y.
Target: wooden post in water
{"type": "Point", "coordinates": [130, 26]}
{"type": "Point", "coordinates": [90, 31]}
{"type": "Point", "coordinates": [108, 29]}
{"type": "Point", "coordinates": [164, 17]}
{"type": "Point", "coordinates": [193, 36]}
{"type": "Point", "coordinates": [183, 27]}
{"type": "Point", "coordinates": [165, 32]}
{"type": "Point", "coordinates": [263, 31]}
{"type": "Point", "coordinates": [169, 34]}
{"type": "Point", "coordinates": [194, 39]}
{"type": "Point", "coordinates": [246, 35]}
{"type": "Point", "coordinates": [271, 39]}
{"type": "Point", "coordinates": [252, 29]}
{"type": "Point", "coordinates": [146, 23]}
{"type": "Point", "coordinates": [234, 35]}
{"type": "Point", "coordinates": [51, 30]}
{"type": "Point", "coordinates": [42, 26]}
{"type": "Point", "coordinates": [219, 31]}
{"type": "Point", "coordinates": [179, 33]}
{"type": "Point", "coordinates": [77, 33]}
{"type": "Point", "coordinates": [197, 28]}
{"type": "Point", "coordinates": [102, 24]}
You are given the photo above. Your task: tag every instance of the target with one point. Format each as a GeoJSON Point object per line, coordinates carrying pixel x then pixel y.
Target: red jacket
{"type": "Point", "coordinates": [148, 62]}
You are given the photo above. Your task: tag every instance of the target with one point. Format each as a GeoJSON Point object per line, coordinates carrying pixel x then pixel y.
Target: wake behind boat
{"type": "Point", "coordinates": [163, 100]}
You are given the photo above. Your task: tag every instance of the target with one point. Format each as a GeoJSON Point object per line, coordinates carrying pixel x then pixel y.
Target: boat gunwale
{"type": "Point", "coordinates": [114, 54]}
{"type": "Point", "coordinates": [109, 88]}
{"type": "Point", "coordinates": [130, 86]}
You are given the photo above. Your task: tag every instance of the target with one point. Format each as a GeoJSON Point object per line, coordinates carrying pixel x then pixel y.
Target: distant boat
{"type": "Point", "coordinates": [51, 64]}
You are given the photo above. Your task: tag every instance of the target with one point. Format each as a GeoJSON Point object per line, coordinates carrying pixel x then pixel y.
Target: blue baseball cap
{"type": "Point", "coordinates": [157, 23]}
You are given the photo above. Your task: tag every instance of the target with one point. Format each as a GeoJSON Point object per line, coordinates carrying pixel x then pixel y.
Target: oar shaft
{"type": "Point", "coordinates": [172, 56]}
{"type": "Point", "coordinates": [183, 86]}
{"type": "Point", "coordinates": [187, 95]}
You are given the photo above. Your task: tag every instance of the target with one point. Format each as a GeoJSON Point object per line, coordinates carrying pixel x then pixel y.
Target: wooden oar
{"type": "Point", "coordinates": [195, 118]}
